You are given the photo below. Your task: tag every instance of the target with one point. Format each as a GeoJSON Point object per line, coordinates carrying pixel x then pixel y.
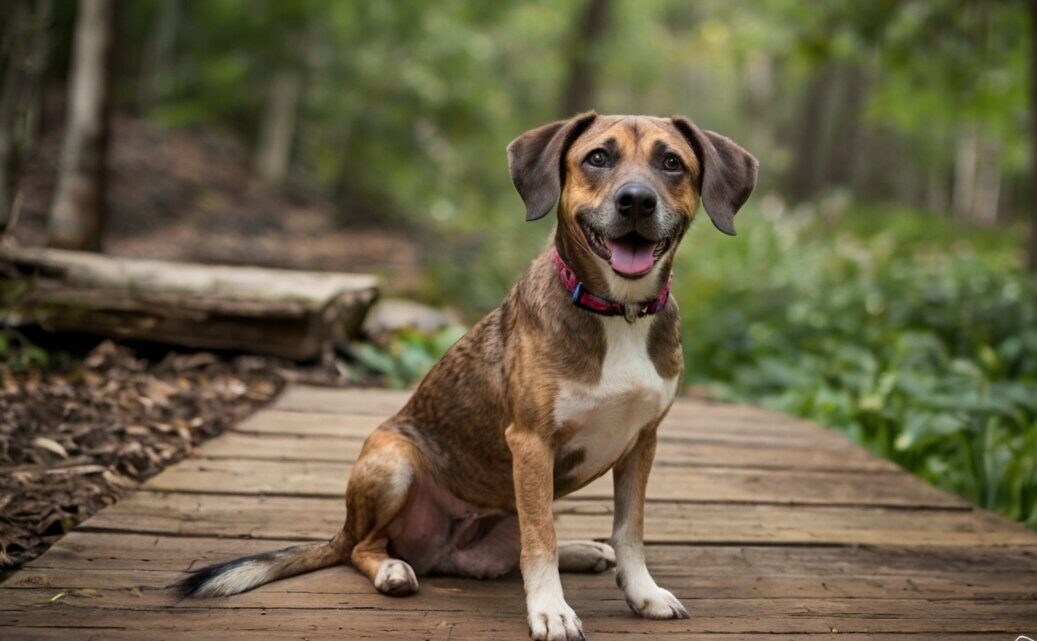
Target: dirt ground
{"type": "Point", "coordinates": [187, 195]}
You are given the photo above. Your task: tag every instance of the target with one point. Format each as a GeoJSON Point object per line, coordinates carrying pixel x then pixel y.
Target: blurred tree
{"type": "Point", "coordinates": [277, 125]}
{"type": "Point", "coordinates": [931, 67]}
{"type": "Point", "coordinates": [294, 25]}
{"type": "Point", "coordinates": [24, 45]}
{"type": "Point", "coordinates": [157, 58]}
{"type": "Point", "coordinates": [590, 28]}
{"type": "Point", "coordinates": [399, 111]}
{"type": "Point", "coordinates": [1032, 252]}
{"type": "Point", "coordinates": [77, 212]}
{"type": "Point", "coordinates": [806, 169]}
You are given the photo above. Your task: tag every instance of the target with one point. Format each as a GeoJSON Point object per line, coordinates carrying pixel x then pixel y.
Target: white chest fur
{"type": "Point", "coordinates": [608, 415]}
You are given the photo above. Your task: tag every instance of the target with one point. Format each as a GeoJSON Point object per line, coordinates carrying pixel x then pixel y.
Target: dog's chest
{"type": "Point", "coordinates": [606, 417]}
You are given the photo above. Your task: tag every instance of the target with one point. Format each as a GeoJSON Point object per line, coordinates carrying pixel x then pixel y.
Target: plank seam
{"type": "Point", "coordinates": [919, 507]}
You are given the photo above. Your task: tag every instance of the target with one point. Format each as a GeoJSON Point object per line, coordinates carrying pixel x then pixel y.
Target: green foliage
{"type": "Point", "coordinates": [18, 354]}
{"type": "Point", "coordinates": [914, 339]}
{"type": "Point", "coordinates": [407, 106]}
{"type": "Point", "coordinates": [404, 358]}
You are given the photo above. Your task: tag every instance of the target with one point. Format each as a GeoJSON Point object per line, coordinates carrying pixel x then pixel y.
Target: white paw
{"type": "Point", "coordinates": [396, 578]}
{"type": "Point", "coordinates": [557, 622]}
{"type": "Point", "coordinates": [656, 603]}
{"type": "Point", "coordinates": [585, 556]}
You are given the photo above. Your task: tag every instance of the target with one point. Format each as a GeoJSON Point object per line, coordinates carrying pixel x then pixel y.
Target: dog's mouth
{"type": "Point", "coordinates": [631, 255]}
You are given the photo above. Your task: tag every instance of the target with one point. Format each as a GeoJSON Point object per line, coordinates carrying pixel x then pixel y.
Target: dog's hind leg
{"type": "Point", "coordinates": [377, 492]}
{"type": "Point", "coordinates": [491, 551]}
{"type": "Point", "coordinates": [585, 556]}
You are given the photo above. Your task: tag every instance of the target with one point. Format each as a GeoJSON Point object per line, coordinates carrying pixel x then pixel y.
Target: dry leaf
{"type": "Point", "coordinates": [50, 445]}
{"type": "Point", "coordinates": [76, 470]}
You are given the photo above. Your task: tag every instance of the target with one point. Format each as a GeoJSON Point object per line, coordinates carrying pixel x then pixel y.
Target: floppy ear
{"type": "Point", "coordinates": [728, 173]}
{"type": "Point", "coordinates": [535, 162]}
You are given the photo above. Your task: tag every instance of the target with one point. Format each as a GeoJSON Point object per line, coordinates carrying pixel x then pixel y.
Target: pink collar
{"type": "Point", "coordinates": [603, 306]}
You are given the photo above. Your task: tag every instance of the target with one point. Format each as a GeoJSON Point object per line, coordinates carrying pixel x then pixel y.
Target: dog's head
{"type": "Point", "coordinates": [627, 187]}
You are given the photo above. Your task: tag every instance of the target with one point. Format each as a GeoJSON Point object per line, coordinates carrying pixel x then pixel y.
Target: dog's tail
{"type": "Point", "coordinates": [253, 571]}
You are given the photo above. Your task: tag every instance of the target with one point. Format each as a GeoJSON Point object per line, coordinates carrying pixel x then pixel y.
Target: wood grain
{"type": "Point", "coordinates": [767, 527]}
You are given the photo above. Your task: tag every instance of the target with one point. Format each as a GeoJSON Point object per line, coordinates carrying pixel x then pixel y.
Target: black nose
{"type": "Point", "coordinates": [635, 199]}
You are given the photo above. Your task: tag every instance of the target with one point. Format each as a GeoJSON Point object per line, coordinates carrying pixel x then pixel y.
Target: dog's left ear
{"type": "Point", "coordinates": [535, 160]}
{"type": "Point", "coordinates": [728, 173]}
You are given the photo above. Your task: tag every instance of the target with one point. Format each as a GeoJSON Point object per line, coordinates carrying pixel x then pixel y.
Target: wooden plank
{"type": "Point", "coordinates": [85, 552]}
{"type": "Point", "coordinates": [689, 415]}
{"type": "Point", "coordinates": [343, 586]}
{"type": "Point", "coordinates": [294, 423]}
{"type": "Point", "coordinates": [721, 531]}
{"type": "Point", "coordinates": [694, 413]}
{"type": "Point", "coordinates": [449, 633]}
{"type": "Point", "coordinates": [692, 452]}
{"type": "Point", "coordinates": [360, 425]}
{"type": "Point", "coordinates": [382, 402]}
{"type": "Point", "coordinates": [318, 518]}
{"type": "Point", "coordinates": [702, 484]}
{"type": "Point", "coordinates": [450, 615]}
{"type": "Point", "coordinates": [146, 588]}
{"type": "Point", "coordinates": [326, 400]}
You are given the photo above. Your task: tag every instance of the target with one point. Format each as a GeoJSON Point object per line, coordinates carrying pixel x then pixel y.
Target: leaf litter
{"type": "Point", "coordinates": [74, 440]}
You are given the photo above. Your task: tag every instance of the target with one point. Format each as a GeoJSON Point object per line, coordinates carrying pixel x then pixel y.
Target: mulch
{"type": "Point", "coordinates": [74, 439]}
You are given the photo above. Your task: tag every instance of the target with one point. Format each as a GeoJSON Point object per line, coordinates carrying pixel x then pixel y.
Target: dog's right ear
{"type": "Point", "coordinates": [535, 160]}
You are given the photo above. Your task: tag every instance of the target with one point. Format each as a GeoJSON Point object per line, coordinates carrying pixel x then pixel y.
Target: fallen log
{"type": "Point", "coordinates": [287, 313]}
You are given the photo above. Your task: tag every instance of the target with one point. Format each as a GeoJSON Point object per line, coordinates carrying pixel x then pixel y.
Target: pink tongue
{"type": "Point", "coordinates": [631, 258]}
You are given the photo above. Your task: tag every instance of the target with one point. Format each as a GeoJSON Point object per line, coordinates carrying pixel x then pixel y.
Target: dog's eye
{"type": "Point", "coordinates": [597, 158]}
{"type": "Point", "coordinates": [672, 163]}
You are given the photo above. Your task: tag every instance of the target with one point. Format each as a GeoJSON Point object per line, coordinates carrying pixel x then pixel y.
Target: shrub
{"type": "Point", "coordinates": [914, 337]}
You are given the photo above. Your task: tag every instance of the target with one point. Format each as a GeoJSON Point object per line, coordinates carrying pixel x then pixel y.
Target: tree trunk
{"type": "Point", "coordinates": [759, 98]}
{"type": "Point", "coordinates": [8, 102]}
{"type": "Point", "coordinates": [157, 63]}
{"type": "Point", "coordinates": [988, 182]}
{"type": "Point", "coordinates": [810, 136]}
{"type": "Point", "coordinates": [844, 150]}
{"type": "Point", "coordinates": [23, 56]}
{"type": "Point", "coordinates": [936, 188]}
{"type": "Point", "coordinates": [581, 85]}
{"type": "Point", "coordinates": [11, 57]}
{"type": "Point", "coordinates": [1032, 252]}
{"type": "Point", "coordinates": [36, 75]}
{"type": "Point", "coordinates": [977, 177]}
{"type": "Point", "coordinates": [77, 213]}
{"type": "Point", "coordinates": [277, 129]}
{"type": "Point", "coordinates": [288, 313]}
{"type": "Point", "coordinates": [966, 159]}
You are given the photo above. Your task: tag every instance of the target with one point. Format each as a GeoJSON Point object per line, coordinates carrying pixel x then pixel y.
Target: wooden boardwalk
{"type": "Point", "coordinates": [766, 527]}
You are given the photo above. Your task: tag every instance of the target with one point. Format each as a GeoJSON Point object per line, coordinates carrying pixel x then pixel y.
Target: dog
{"type": "Point", "coordinates": [569, 378]}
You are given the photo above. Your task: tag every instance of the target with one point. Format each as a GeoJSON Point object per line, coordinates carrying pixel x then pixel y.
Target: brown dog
{"type": "Point", "coordinates": [543, 395]}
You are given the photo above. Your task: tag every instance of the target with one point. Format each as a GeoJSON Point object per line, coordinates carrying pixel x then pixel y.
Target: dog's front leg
{"type": "Point", "coordinates": [550, 617]}
{"type": "Point", "coordinates": [630, 478]}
